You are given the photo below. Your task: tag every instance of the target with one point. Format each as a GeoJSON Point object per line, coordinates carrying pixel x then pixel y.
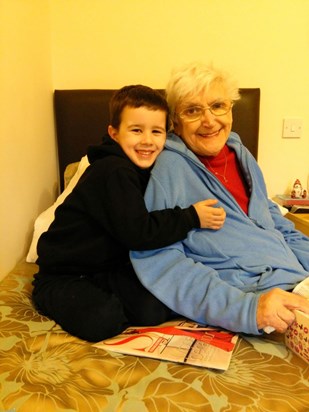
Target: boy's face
{"type": "Point", "coordinates": [141, 134]}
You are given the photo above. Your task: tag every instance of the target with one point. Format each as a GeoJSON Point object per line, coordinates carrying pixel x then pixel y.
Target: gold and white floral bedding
{"type": "Point", "coordinates": [43, 369]}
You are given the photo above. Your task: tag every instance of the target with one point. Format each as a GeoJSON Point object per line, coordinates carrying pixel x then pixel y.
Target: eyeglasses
{"type": "Point", "coordinates": [193, 113]}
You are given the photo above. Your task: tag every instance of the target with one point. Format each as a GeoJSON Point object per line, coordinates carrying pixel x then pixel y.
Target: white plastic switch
{"type": "Point", "coordinates": [292, 127]}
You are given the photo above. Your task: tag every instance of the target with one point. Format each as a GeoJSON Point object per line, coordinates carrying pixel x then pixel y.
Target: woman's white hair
{"type": "Point", "coordinates": [194, 78]}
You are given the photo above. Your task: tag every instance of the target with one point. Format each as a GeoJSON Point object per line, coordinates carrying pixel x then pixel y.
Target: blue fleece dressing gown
{"type": "Point", "coordinates": [215, 276]}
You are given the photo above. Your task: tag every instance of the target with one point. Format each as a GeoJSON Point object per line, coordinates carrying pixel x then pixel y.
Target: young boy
{"type": "Point", "coordinates": [86, 282]}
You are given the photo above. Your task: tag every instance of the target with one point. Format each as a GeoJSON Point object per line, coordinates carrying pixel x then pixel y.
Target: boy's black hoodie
{"type": "Point", "coordinates": [105, 216]}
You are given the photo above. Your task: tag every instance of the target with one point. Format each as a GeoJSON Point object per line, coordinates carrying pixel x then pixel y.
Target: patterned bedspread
{"type": "Point", "coordinates": [43, 369]}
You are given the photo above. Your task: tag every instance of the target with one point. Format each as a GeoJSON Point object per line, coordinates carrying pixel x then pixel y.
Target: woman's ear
{"type": "Point", "coordinates": [112, 132]}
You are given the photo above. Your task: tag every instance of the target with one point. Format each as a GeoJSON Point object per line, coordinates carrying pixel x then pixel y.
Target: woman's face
{"type": "Point", "coordinates": [207, 135]}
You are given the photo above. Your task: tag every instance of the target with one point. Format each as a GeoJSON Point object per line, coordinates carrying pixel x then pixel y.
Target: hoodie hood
{"type": "Point", "coordinates": [108, 147]}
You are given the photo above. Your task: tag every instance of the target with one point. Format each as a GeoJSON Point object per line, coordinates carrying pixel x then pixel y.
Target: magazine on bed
{"type": "Point", "coordinates": [181, 341]}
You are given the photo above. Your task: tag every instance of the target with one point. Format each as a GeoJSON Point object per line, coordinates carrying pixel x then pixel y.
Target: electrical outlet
{"type": "Point", "coordinates": [292, 128]}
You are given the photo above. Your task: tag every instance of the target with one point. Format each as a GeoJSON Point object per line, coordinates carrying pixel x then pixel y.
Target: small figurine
{"type": "Point", "coordinates": [297, 191]}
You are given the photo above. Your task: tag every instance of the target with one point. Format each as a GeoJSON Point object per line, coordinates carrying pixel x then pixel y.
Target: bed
{"type": "Point", "coordinates": [43, 368]}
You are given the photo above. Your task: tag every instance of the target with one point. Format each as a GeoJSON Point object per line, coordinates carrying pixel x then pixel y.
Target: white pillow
{"type": "Point", "coordinates": [45, 219]}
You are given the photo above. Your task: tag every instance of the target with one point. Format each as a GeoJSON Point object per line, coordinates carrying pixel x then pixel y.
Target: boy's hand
{"type": "Point", "coordinates": [210, 217]}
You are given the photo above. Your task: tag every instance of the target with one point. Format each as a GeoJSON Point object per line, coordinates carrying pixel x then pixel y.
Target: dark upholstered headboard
{"type": "Point", "coordinates": [82, 117]}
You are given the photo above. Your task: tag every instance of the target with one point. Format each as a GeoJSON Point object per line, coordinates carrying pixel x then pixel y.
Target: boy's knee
{"type": "Point", "coordinates": [153, 313]}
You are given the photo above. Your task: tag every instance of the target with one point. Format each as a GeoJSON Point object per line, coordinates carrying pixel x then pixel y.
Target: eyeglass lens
{"type": "Point", "coordinates": [217, 109]}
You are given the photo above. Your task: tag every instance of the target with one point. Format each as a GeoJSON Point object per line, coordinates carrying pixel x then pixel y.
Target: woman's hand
{"type": "Point", "coordinates": [276, 309]}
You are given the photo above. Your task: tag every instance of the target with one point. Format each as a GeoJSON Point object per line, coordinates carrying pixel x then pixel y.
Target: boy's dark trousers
{"type": "Point", "coordinates": [95, 307]}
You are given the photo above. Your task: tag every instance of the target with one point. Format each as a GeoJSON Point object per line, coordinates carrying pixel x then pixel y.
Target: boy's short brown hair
{"type": "Point", "coordinates": [136, 96]}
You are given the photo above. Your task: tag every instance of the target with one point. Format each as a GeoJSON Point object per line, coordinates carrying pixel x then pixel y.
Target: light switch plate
{"type": "Point", "coordinates": [292, 128]}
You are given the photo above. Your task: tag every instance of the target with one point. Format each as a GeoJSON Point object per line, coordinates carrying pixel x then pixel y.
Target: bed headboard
{"type": "Point", "coordinates": [82, 117]}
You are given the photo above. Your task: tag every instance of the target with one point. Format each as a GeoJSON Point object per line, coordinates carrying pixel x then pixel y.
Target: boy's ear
{"type": "Point", "coordinates": [112, 132]}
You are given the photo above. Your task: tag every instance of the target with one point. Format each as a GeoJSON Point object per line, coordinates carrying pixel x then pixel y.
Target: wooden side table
{"type": "Point", "coordinates": [301, 221]}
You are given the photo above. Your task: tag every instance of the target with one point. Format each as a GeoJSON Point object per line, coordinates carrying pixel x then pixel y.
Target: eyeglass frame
{"type": "Point", "coordinates": [180, 114]}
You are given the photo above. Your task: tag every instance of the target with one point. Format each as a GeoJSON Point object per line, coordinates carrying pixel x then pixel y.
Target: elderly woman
{"type": "Point", "coordinates": [237, 277]}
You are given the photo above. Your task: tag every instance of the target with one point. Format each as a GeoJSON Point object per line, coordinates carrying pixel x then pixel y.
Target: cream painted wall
{"type": "Point", "coordinates": [263, 43]}
{"type": "Point", "coordinates": [27, 148]}
{"type": "Point", "coordinates": [48, 44]}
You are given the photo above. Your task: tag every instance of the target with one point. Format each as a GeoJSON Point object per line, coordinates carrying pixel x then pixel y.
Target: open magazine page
{"type": "Point", "coordinates": [180, 341]}
{"type": "Point", "coordinates": [303, 288]}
